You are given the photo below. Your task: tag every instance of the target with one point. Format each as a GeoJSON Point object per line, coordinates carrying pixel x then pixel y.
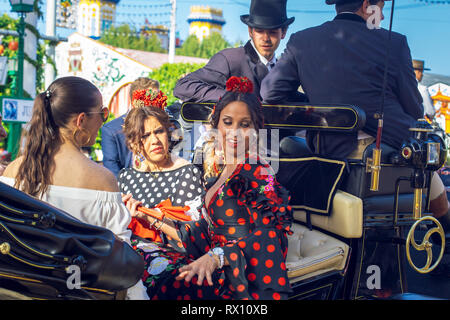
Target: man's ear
{"type": "Point", "coordinates": [365, 5]}
{"type": "Point", "coordinates": [250, 32]}
{"type": "Point", "coordinates": [283, 33]}
{"type": "Point", "coordinates": [362, 11]}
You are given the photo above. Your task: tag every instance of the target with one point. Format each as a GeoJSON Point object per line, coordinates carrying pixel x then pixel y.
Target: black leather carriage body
{"type": "Point", "coordinates": [40, 241]}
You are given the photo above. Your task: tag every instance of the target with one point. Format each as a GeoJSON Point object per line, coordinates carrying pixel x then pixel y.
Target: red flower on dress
{"type": "Point", "coordinates": [274, 197]}
{"type": "Point", "coordinates": [149, 97]}
{"type": "Point", "coordinates": [261, 173]}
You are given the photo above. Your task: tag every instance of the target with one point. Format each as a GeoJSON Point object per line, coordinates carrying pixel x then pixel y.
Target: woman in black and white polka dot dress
{"type": "Point", "coordinates": [156, 177]}
{"type": "Point", "coordinates": [182, 186]}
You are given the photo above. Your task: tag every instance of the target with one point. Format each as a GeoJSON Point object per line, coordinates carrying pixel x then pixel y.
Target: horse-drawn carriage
{"type": "Point", "coordinates": [348, 242]}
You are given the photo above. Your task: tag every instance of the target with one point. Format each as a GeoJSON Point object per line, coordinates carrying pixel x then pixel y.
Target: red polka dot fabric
{"type": "Point", "coordinates": [250, 218]}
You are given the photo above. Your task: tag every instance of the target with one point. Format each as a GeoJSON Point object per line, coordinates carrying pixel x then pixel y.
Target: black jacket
{"type": "Point", "coordinates": [342, 62]}
{"type": "Point", "coordinates": [208, 83]}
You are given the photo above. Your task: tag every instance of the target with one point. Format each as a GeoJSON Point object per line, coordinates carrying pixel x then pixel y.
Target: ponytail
{"type": "Point", "coordinates": [43, 141]}
{"type": "Point", "coordinates": [53, 109]}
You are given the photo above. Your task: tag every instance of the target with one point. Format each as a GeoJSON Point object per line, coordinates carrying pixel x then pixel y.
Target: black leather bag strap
{"type": "Point", "coordinates": [38, 219]}
{"type": "Point", "coordinates": [39, 238]}
{"type": "Point", "coordinates": [11, 246]}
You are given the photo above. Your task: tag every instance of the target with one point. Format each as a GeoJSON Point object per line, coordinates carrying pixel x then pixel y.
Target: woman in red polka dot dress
{"type": "Point", "coordinates": [246, 212]}
{"type": "Point", "coordinates": [238, 249]}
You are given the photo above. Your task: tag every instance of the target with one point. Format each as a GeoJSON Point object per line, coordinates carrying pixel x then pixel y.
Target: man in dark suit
{"type": "Point", "coordinates": [116, 154]}
{"type": "Point", "coordinates": [342, 62]}
{"type": "Point", "coordinates": [267, 26]}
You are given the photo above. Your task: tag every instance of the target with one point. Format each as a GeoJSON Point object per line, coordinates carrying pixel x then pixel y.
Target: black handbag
{"type": "Point", "coordinates": [44, 244]}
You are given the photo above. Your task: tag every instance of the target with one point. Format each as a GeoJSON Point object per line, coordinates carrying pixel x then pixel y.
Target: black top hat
{"type": "Point", "coordinates": [267, 14]}
{"type": "Point", "coordinates": [344, 1]}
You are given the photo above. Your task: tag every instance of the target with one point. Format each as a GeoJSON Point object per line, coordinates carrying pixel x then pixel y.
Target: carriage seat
{"type": "Point", "coordinates": [293, 146]}
{"type": "Point", "coordinates": [311, 253]}
{"type": "Point", "coordinates": [357, 183]}
{"type": "Point", "coordinates": [345, 220]}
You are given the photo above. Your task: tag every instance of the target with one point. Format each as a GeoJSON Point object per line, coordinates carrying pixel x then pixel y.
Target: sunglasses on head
{"type": "Point", "coordinates": [104, 113]}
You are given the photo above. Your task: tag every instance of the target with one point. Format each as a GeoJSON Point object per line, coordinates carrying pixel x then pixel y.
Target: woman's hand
{"type": "Point", "coordinates": [202, 267]}
{"type": "Point", "coordinates": [132, 205]}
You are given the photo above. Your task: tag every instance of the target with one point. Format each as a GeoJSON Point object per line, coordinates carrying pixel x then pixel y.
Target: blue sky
{"type": "Point", "coordinates": [427, 26]}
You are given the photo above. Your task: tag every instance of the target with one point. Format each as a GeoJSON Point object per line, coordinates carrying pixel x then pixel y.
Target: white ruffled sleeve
{"type": "Point", "coordinates": [116, 217]}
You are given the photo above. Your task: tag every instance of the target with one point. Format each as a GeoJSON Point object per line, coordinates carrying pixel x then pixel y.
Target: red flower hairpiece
{"type": "Point", "coordinates": [149, 97]}
{"type": "Point", "coordinates": [239, 84]}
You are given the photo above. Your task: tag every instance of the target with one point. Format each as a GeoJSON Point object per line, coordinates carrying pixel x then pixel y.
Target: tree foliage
{"type": "Point", "coordinates": [127, 38]}
{"type": "Point", "coordinates": [210, 45]}
{"type": "Point", "coordinates": [190, 47]}
{"type": "Point", "coordinates": [213, 44]}
{"type": "Point", "coordinates": [168, 75]}
{"type": "Point", "coordinates": [8, 23]}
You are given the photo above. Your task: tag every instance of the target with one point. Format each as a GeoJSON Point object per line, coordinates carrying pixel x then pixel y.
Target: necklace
{"type": "Point", "coordinates": [154, 175]}
{"type": "Point", "coordinates": [158, 169]}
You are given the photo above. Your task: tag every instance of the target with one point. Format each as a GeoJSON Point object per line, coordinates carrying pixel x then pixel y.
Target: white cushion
{"type": "Point", "coordinates": [346, 218]}
{"type": "Point", "coordinates": [312, 252]}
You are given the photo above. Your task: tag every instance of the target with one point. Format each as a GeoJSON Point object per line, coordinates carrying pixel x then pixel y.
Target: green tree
{"type": "Point", "coordinates": [125, 37]}
{"type": "Point", "coordinates": [238, 43]}
{"type": "Point", "coordinates": [190, 47]}
{"type": "Point", "coordinates": [213, 44]}
{"type": "Point", "coordinates": [8, 23]}
{"type": "Point", "coordinates": [168, 75]}
{"type": "Point", "coordinates": [210, 45]}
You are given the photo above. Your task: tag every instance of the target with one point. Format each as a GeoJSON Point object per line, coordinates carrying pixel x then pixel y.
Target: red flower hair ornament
{"type": "Point", "coordinates": [238, 84]}
{"type": "Point", "coordinates": [149, 97]}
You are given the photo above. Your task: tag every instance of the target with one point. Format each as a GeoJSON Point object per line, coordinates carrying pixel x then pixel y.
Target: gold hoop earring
{"type": "Point", "coordinates": [82, 132]}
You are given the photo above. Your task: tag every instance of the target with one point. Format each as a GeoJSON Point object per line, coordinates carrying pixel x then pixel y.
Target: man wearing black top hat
{"type": "Point", "coordinates": [342, 62]}
{"type": "Point", "coordinates": [267, 26]}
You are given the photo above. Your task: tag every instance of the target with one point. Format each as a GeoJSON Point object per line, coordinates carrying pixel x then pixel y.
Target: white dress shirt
{"type": "Point", "coordinates": [269, 64]}
{"type": "Point", "coordinates": [428, 107]}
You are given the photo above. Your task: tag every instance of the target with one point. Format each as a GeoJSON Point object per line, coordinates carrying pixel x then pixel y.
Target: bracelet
{"type": "Point", "coordinates": [212, 257]}
{"type": "Point", "coordinates": [153, 223]}
{"type": "Point", "coordinates": [162, 222]}
{"type": "Point", "coordinates": [219, 253]}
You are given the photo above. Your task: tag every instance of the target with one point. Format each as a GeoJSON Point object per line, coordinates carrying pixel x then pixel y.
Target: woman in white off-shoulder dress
{"type": "Point", "coordinates": [53, 168]}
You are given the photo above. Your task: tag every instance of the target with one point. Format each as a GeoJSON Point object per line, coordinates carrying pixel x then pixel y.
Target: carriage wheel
{"type": "Point", "coordinates": [425, 245]}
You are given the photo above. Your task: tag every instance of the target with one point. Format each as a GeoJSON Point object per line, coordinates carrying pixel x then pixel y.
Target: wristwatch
{"type": "Point", "coordinates": [217, 251]}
